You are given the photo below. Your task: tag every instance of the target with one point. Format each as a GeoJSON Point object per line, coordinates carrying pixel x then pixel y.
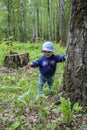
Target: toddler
{"type": "Point", "coordinates": [47, 66]}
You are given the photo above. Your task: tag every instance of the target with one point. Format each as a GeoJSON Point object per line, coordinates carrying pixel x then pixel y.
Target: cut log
{"type": "Point", "coordinates": [15, 60]}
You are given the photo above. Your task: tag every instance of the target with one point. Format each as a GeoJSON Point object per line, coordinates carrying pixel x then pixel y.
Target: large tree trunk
{"type": "Point", "coordinates": [75, 75]}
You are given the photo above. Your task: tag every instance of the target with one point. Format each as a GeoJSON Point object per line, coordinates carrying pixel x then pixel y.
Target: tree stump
{"type": "Point", "coordinates": [15, 60]}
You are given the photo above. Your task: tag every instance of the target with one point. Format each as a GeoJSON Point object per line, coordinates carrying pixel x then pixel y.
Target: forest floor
{"type": "Point", "coordinates": [30, 117]}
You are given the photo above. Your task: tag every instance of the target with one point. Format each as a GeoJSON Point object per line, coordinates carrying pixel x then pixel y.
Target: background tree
{"type": "Point", "coordinates": [75, 75]}
{"type": "Point", "coordinates": [58, 23]}
{"type": "Point", "coordinates": [23, 21]}
{"type": "Point", "coordinates": [63, 23]}
{"type": "Point", "coordinates": [33, 20]}
{"type": "Point", "coordinates": [9, 9]}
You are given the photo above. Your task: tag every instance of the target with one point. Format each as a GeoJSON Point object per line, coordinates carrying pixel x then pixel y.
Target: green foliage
{"type": "Point", "coordinates": [68, 112]}
{"type": "Point", "coordinates": [35, 18]}
{"type": "Point", "coordinates": [18, 124]}
{"type": "Point", "coordinates": [20, 90]}
{"type": "Point", "coordinates": [83, 127]}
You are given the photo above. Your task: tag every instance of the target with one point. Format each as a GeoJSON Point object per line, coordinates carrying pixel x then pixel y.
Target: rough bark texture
{"type": "Point", "coordinates": [75, 74]}
{"type": "Point", "coordinates": [14, 60]}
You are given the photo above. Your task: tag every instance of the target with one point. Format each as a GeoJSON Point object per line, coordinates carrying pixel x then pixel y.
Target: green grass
{"type": "Point", "coordinates": [15, 83]}
{"type": "Point", "coordinates": [20, 89]}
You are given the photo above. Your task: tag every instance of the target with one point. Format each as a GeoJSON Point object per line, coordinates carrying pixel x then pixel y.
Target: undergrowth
{"type": "Point", "coordinates": [20, 106]}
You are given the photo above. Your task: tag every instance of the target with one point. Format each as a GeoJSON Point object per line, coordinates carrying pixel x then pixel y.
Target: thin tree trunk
{"type": "Point", "coordinates": [14, 28]}
{"type": "Point", "coordinates": [63, 24]}
{"type": "Point", "coordinates": [75, 74]}
{"type": "Point", "coordinates": [49, 22]}
{"type": "Point", "coordinates": [58, 23]}
{"type": "Point", "coordinates": [9, 16]}
{"type": "Point", "coordinates": [23, 23]}
{"type": "Point", "coordinates": [38, 24]}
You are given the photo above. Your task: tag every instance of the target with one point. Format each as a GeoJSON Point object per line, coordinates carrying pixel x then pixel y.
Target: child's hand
{"type": "Point", "coordinates": [66, 57]}
{"type": "Point", "coordinates": [30, 64]}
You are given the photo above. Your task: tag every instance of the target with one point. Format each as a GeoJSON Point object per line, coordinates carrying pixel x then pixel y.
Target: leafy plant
{"type": "Point", "coordinates": [17, 124]}
{"type": "Point", "coordinates": [19, 89]}
{"type": "Point", "coordinates": [68, 112]}
{"type": "Point", "coordinates": [83, 127]}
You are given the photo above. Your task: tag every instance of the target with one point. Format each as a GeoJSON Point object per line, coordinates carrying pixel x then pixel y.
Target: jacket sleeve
{"type": "Point", "coordinates": [36, 63]}
{"type": "Point", "coordinates": [60, 58]}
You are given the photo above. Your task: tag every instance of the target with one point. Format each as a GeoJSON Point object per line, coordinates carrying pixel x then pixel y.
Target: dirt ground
{"type": "Point", "coordinates": [31, 115]}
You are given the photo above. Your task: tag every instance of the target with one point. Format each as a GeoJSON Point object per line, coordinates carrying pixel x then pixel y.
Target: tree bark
{"type": "Point", "coordinates": [23, 22]}
{"type": "Point", "coordinates": [63, 24]}
{"type": "Point", "coordinates": [58, 24]}
{"type": "Point", "coordinates": [75, 74]}
{"type": "Point", "coordinates": [9, 2]}
{"type": "Point", "coordinates": [38, 22]}
{"type": "Point", "coordinates": [49, 21]}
